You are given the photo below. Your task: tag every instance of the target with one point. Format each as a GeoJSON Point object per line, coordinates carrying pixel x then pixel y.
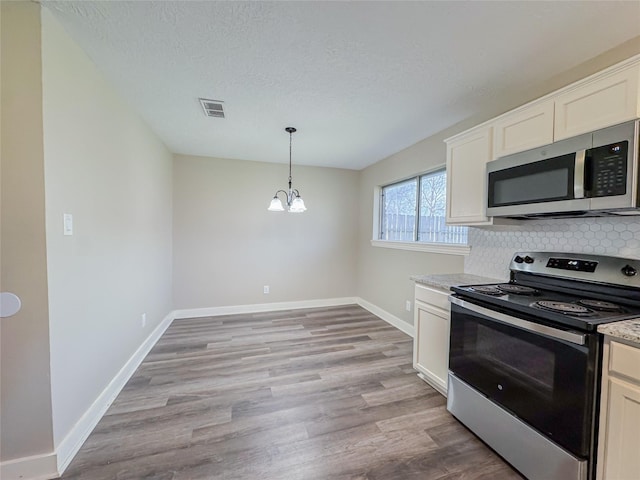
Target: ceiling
{"type": "Point", "coordinates": [360, 80]}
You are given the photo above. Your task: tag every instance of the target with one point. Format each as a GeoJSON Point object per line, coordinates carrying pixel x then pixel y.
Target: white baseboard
{"type": "Point", "coordinates": [52, 465]}
{"type": "Point", "coordinates": [434, 381]}
{"type": "Point", "coordinates": [70, 445]}
{"type": "Point", "coordinates": [262, 307]}
{"type": "Point", "coordinates": [38, 467]}
{"type": "Point", "coordinates": [387, 317]}
{"type": "Point", "coordinates": [273, 307]}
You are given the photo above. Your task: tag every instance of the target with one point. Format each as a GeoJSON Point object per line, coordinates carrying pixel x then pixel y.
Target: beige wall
{"type": "Point", "coordinates": [227, 246]}
{"type": "Point", "coordinates": [25, 412]}
{"type": "Point", "coordinates": [383, 274]}
{"type": "Point", "coordinates": [70, 145]}
{"type": "Point", "coordinates": [105, 167]}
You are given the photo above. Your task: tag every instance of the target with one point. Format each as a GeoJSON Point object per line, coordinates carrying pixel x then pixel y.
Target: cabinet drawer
{"type": "Point", "coordinates": [432, 296]}
{"type": "Point", "coordinates": [624, 360]}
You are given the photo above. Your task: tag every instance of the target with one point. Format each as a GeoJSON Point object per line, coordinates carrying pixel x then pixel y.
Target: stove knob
{"type": "Point", "coordinates": [518, 259]}
{"type": "Point", "coordinates": [528, 259]}
{"type": "Point", "coordinates": [629, 271]}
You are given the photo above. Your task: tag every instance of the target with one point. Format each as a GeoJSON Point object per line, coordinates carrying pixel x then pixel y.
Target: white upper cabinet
{"type": "Point", "coordinates": [467, 157]}
{"type": "Point", "coordinates": [527, 127]}
{"type": "Point", "coordinates": [603, 101]}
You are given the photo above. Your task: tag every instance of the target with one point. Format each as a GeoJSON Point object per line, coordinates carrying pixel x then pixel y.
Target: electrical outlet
{"type": "Point", "coordinates": [143, 320]}
{"type": "Point", "coordinates": [265, 289]}
{"type": "Point", "coordinates": [407, 305]}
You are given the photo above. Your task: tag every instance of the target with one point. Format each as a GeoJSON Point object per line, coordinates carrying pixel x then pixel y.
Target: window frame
{"type": "Point", "coordinates": [415, 244]}
{"type": "Point", "coordinates": [415, 213]}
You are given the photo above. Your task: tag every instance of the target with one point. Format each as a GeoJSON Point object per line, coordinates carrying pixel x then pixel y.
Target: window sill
{"type": "Point", "coordinates": [445, 248]}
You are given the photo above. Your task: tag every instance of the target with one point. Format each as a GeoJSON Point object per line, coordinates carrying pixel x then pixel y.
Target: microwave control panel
{"type": "Point", "coordinates": [608, 169]}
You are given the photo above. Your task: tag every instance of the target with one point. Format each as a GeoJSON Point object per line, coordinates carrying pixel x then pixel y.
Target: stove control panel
{"type": "Point", "coordinates": [572, 264]}
{"type": "Point", "coordinates": [578, 266]}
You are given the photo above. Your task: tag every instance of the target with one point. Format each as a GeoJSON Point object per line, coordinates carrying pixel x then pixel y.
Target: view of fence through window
{"type": "Point", "coordinates": [400, 204]}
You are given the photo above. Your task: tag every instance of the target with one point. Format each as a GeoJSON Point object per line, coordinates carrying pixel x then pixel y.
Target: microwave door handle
{"type": "Point", "coordinates": [578, 174]}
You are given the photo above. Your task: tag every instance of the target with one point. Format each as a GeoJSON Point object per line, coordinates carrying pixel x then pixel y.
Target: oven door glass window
{"type": "Point", "coordinates": [543, 181]}
{"type": "Point", "coordinates": [545, 382]}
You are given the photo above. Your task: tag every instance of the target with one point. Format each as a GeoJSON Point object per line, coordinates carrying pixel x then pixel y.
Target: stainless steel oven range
{"type": "Point", "coordinates": [525, 358]}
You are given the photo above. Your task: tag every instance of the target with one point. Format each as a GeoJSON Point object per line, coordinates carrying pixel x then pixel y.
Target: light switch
{"type": "Point", "coordinates": [68, 224]}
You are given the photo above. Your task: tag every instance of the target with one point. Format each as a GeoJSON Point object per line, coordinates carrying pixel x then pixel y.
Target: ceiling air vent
{"type": "Point", "coordinates": [212, 108]}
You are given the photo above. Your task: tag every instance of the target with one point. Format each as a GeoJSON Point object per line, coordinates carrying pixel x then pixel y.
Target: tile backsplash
{"type": "Point", "coordinates": [493, 247]}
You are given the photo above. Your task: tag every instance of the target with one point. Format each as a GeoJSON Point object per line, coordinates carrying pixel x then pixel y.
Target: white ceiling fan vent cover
{"type": "Point", "coordinates": [212, 108]}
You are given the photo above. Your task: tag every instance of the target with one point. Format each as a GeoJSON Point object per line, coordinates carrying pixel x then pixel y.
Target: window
{"type": "Point", "coordinates": [399, 211]}
{"type": "Point", "coordinates": [426, 194]}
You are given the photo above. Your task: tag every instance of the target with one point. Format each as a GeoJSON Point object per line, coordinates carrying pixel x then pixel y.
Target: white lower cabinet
{"type": "Point", "coordinates": [619, 444]}
{"type": "Point", "coordinates": [431, 340]}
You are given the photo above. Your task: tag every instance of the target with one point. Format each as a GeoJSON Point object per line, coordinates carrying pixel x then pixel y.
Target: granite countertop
{"type": "Point", "coordinates": [448, 280]}
{"type": "Point", "coordinates": [627, 330]}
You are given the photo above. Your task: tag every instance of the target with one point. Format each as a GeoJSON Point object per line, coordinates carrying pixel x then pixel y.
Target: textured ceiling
{"type": "Point", "coordinates": [360, 80]}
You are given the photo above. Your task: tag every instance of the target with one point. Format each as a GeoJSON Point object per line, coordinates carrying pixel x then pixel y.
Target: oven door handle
{"type": "Point", "coordinates": [569, 336]}
{"type": "Point", "coordinates": [578, 175]}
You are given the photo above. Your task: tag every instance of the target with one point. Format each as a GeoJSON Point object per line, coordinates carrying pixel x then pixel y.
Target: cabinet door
{"type": "Point", "coordinates": [467, 158]}
{"type": "Point", "coordinates": [431, 345]}
{"type": "Point", "coordinates": [526, 128]}
{"type": "Point", "coordinates": [622, 455]}
{"type": "Point", "coordinates": [598, 104]}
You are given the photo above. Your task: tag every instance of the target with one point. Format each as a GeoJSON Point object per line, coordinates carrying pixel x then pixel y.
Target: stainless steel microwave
{"type": "Point", "coordinates": [589, 175]}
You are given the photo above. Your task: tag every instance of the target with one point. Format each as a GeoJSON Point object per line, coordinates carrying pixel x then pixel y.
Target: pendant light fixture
{"type": "Point", "coordinates": [295, 204]}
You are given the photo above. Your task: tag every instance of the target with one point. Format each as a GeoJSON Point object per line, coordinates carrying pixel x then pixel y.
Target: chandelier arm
{"type": "Point", "coordinates": [286, 194]}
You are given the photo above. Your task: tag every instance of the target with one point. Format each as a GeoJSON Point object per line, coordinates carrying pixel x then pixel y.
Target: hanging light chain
{"type": "Point", "coordinates": [290, 136]}
{"type": "Point", "coordinates": [294, 202]}
{"type": "Point", "coordinates": [290, 130]}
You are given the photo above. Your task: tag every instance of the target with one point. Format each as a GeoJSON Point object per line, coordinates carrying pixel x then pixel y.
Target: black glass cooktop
{"type": "Point", "coordinates": [553, 306]}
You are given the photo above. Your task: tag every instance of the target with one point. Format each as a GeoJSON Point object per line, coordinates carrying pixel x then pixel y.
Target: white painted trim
{"type": "Point", "coordinates": [262, 307]}
{"type": "Point", "coordinates": [377, 197]}
{"type": "Point", "coordinates": [69, 446]}
{"type": "Point", "coordinates": [387, 317]}
{"type": "Point", "coordinates": [612, 70]}
{"type": "Point", "coordinates": [434, 381]}
{"type": "Point", "coordinates": [37, 467]}
{"type": "Point", "coordinates": [52, 465]}
{"type": "Point", "coordinates": [274, 307]}
{"type": "Point", "coordinates": [445, 248]}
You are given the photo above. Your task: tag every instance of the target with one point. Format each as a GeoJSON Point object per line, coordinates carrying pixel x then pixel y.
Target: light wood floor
{"type": "Point", "coordinates": [296, 395]}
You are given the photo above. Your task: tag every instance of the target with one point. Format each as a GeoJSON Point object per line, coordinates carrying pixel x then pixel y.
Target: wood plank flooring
{"type": "Point", "coordinates": [295, 395]}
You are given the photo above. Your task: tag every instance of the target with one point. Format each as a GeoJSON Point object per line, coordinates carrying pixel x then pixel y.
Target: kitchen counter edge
{"type": "Point", "coordinates": [628, 330]}
{"type": "Point", "coordinates": [445, 281]}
